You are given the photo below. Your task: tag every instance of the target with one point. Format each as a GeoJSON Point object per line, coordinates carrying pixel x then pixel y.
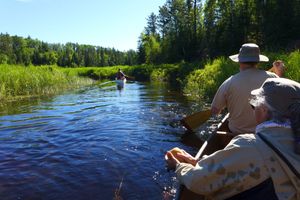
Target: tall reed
{"type": "Point", "coordinates": [30, 81]}
{"type": "Point", "coordinates": [198, 80]}
{"type": "Point", "coordinates": [293, 66]}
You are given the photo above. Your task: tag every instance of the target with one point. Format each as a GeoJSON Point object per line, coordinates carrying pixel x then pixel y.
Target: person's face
{"type": "Point", "coordinates": [261, 113]}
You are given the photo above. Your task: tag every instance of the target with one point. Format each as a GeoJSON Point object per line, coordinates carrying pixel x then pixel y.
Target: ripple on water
{"type": "Point", "coordinates": [83, 145]}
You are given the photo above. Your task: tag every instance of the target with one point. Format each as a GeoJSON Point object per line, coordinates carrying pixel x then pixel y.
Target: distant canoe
{"type": "Point", "coordinates": [120, 82]}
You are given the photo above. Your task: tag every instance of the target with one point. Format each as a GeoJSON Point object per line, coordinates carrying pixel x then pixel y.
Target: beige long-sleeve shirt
{"type": "Point", "coordinates": [234, 94]}
{"type": "Point", "coordinates": [244, 163]}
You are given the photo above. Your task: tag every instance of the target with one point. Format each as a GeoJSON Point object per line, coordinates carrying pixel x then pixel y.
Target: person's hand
{"type": "Point", "coordinates": [176, 156]}
{"type": "Point", "coordinates": [171, 160]}
{"type": "Point", "coordinates": [185, 157]}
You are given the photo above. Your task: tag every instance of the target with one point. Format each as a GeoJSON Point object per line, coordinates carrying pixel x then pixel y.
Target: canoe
{"type": "Point", "coordinates": [120, 82]}
{"type": "Point", "coordinates": [217, 141]}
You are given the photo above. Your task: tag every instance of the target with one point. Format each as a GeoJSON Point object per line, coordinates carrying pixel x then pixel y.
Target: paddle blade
{"type": "Point", "coordinates": [195, 120]}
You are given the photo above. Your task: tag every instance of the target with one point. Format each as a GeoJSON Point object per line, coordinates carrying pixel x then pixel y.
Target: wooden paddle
{"type": "Point", "coordinates": [106, 83]}
{"type": "Point", "coordinates": [130, 77]}
{"type": "Point", "coordinates": [195, 120]}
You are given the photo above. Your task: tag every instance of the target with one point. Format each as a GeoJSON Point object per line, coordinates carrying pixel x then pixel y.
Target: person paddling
{"type": "Point", "coordinates": [264, 165]}
{"type": "Point", "coordinates": [234, 92]}
{"type": "Point", "coordinates": [120, 75]}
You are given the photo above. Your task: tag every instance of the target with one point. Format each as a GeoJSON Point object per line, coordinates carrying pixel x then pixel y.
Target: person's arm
{"type": "Point", "coordinates": [226, 170]}
{"type": "Point", "coordinates": [219, 101]}
{"type": "Point", "coordinates": [122, 73]}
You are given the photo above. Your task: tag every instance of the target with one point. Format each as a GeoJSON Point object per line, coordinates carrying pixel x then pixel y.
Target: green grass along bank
{"type": "Point", "coordinates": [199, 81]}
{"type": "Point", "coordinates": [21, 82]}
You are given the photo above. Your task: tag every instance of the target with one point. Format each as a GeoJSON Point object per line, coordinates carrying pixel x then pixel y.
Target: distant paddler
{"type": "Point", "coordinates": [120, 79]}
{"type": "Point", "coordinates": [120, 75]}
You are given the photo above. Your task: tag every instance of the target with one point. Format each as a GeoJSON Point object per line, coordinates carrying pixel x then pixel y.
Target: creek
{"type": "Point", "coordinates": [93, 143]}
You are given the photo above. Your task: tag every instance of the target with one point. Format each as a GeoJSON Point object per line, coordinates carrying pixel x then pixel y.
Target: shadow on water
{"type": "Point", "coordinates": [94, 143]}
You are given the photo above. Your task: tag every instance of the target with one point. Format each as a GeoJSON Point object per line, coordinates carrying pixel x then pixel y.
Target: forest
{"type": "Point", "coordinates": [191, 30]}
{"type": "Point", "coordinates": [188, 39]}
{"type": "Point", "coordinates": [28, 51]}
{"type": "Point", "coordinates": [183, 30]}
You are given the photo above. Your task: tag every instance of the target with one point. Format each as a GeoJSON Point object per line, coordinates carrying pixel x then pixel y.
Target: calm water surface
{"type": "Point", "coordinates": [91, 143]}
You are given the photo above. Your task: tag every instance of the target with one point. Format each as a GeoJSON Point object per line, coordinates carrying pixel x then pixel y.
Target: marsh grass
{"type": "Point", "coordinates": [292, 63]}
{"type": "Point", "coordinates": [21, 82]}
{"type": "Point", "coordinates": [199, 81]}
{"type": "Point", "coordinates": [96, 73]}
{"type": "Point", "coordinates": [293, 66]}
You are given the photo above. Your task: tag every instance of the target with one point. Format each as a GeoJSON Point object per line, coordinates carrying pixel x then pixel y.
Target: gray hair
{"type": "Point", "coordinates": [276, 116]}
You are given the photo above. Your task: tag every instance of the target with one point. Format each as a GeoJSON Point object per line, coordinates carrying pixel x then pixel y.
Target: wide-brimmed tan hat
{"type": "Point", "coordinates": [280, 93]}
{"type": "Point", "coordinates": [249, 52]}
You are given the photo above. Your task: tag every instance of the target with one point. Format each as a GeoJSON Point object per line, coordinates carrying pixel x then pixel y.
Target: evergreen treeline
{"type": "Point", "coordinates": [27, 51]}
{"type": "Point", "coordinates": [195, 29]}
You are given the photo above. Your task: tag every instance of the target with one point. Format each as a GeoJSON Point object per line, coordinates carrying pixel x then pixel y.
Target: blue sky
{"type": "Point", "coordinates": [106, 23]}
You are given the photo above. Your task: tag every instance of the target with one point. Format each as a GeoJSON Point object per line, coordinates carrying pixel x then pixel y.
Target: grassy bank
{"type": "Point", "coordinates": [19, 81]}
{"type": "Point", "coordinates": [199, 81]}
{"type": "Point", "coordinates": [201, 84]}
{"type": "Point", "coordinates": [95, 73]}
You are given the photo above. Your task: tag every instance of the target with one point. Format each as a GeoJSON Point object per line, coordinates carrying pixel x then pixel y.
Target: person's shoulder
{"type": "Point", "coordinates": [271, 74]}
{"type": "Point", "coordinates": [264, 73]}
{"type": "Point", "coordinates": [238, 77]}
{"type": "Point", "coordinates": [244, 139]}
{"type": "Point", "coordinates": [247, 142]}
{"type": "Point", "coordinates": [226, 84]}
{"type": "Point", "coordinates": [229, 79]}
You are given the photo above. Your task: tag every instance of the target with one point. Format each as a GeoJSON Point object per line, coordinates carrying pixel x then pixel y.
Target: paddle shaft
{"type": "Point", "coordinates": [106, 83]}
{"type": "Point", "coordinates": [184, 193]}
